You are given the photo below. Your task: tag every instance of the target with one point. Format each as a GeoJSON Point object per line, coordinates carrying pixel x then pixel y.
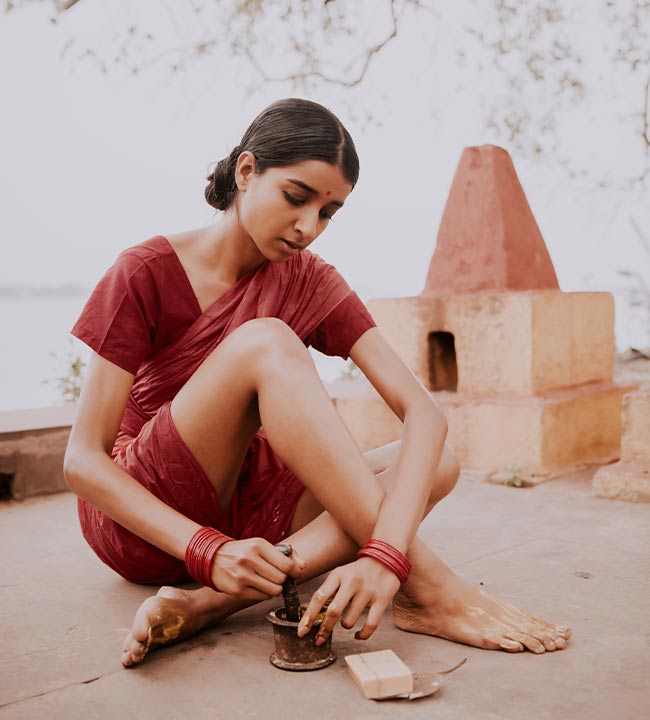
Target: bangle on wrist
{"type": "Point", "coordinates": [389, 556]}
{"type": "Point", "coordinates": [200, 553]}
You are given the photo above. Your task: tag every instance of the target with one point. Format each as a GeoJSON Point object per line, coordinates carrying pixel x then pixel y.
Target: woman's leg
{"type": "Point", "coordinates": [251, 378]}
{"type": "Point", "coordinates": [434, 601]}
{"type": "Point", "coordinates": [260, 373]}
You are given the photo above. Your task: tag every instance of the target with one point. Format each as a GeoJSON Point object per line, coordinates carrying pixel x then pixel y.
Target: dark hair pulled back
{"type": "Point", "coordinates": [286, 132]}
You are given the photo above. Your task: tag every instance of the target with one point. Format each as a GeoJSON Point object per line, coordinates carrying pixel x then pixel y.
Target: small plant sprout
{"type": "Point", "coordinates": [72, 367]}
{"type": "Point", "coordinates": [513, 476]}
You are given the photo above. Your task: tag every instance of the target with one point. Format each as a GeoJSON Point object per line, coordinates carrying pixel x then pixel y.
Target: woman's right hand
{"type": "Point", "coordinates": [253, 569]}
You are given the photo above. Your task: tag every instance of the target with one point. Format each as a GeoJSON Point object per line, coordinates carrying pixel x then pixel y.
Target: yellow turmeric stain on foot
{"type": "Point", "coordinates": [171, 632]}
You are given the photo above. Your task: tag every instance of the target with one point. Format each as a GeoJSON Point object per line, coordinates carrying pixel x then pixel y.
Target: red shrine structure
{"type": "Point", "coordinates": [522, 370]}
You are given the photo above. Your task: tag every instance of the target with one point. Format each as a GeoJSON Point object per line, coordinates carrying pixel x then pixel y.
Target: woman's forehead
{"type": "Point", "coordinates": [316, 175]}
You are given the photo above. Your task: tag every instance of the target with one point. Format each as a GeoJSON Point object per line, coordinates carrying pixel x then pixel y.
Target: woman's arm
{"type": "Point", "coordinates": [91, 473]}
{"type": "Point", "coordinates": [423, 437]}
{"type": "Point", "coordinates": [367, 582]}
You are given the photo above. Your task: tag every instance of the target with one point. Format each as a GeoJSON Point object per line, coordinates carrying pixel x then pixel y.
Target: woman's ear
{"type": "Point", "coordinates": [244, 169]}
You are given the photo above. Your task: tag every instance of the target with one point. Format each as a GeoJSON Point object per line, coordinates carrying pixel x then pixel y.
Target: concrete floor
{"type": "Point", "coordinates": [553, 549]}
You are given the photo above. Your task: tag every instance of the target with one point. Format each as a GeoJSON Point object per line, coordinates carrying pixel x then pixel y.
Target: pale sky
{"type": "Point", "coordinates": [93, 163]}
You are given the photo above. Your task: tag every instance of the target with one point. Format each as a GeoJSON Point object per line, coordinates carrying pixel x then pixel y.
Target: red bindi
{"type": "Point", "coordinates": [328, 193]}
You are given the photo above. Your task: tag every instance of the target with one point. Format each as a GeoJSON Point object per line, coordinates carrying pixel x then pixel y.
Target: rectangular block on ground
{"type": "Point", "coordinates": [380, 674]}
{"type": "Point", "coordinates": [635, 444]}
{"type": "Point", "coordinates": [32, 461]}
{"type": "Point", "coordinates": [623, 481]}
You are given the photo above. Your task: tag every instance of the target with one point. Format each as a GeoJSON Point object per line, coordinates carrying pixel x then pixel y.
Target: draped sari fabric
{"type": "Point", "coordinates": [302, 292]}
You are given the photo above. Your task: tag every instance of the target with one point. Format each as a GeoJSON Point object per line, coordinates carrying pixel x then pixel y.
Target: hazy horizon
{"type": "Point", "coordinates": [96, 162]}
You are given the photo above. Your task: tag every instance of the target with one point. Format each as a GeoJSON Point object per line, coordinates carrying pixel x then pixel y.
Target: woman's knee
{"type": "Point", "coordinates": [447, 475]}
{"type": "Point", "coordinates": [382, 461]}
{"type": "Point", "coordinates": [267, 340]}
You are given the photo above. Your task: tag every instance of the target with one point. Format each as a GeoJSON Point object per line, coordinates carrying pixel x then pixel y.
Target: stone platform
{"type": "Point", "coordinates": [554, 549]}
{"type": "Point", "coordinates": [629, 479]}
{"type": "Point", "coordinates": [527, 370]}
{"type": "Point", "coordinates": [32, 445]}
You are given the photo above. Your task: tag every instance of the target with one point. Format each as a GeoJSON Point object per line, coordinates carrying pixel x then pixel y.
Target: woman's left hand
{"type": "Point", "coordinates": [350, 589]}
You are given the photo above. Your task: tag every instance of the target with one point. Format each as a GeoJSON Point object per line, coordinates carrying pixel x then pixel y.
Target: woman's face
{"type": "Point", "coordinates": [284, 209]}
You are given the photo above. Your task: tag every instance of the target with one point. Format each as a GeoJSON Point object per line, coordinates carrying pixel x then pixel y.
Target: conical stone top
{"type": "Point", "coordinates": [488, 237]}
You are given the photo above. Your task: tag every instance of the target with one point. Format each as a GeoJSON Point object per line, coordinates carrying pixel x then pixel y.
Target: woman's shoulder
{"type": "Point", "coordinates": [152, 250]}
{"type": "Point", "coordinates": [308, 258]}
{"type": "Point", "coordinates": [149, 262]}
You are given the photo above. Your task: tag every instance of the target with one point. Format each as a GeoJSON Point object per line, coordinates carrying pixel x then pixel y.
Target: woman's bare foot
{"type": "Point", "coordinates": [173, 615]}
{"type": "Point", "coordinates": [456, 611]}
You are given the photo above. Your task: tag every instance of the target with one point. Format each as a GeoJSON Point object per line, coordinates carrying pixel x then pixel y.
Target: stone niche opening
{"type": "Point", "coordinates": [6, 486]}
{"type": "Point", "coordinates": [443, 371]}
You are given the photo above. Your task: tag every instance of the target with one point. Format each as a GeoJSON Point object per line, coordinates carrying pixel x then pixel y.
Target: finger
{"type": "Point", "coordinates": [299, 565]}
{"type": "Point", "coordinates": [334, 610]}
{"type": "Point", "coordinates": [372, 621]}
{"type": "Point", "coordinates": [257, 582]}
{"type": "Point", "coordinates": [356, 607]}
{"type": "Point", "coordinates": [318, 599]}
{"type": "Point", "coordinates": [275, 557]}
{"type": "Point", "coordinates": [267, 571]}
{"type": "Point", "coordinates": [248, 586]}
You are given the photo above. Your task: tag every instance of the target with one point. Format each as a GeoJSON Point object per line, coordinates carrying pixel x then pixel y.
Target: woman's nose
{"type": "Point", "coordinates": [306, 224]}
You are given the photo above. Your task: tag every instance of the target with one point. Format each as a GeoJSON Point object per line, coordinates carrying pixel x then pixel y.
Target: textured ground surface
{"type": "Point", "coordinates": [553, 549]}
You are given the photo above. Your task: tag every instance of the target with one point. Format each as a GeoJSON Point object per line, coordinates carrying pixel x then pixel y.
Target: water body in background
{"type": "Point", "coordinates": [36, 343]}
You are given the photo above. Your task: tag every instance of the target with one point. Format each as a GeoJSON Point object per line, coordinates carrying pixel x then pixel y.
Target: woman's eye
{"type": "Point", "coordinates": [293, 200]}
{"type": "Point", "coordinates": [299, 201]}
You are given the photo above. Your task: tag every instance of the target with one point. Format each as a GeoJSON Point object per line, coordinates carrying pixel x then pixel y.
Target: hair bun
{"type": "Point", "coordinates": [219, 190]}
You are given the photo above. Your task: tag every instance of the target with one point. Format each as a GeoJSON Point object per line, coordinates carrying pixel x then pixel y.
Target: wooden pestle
{"type": "Point", "coordinates": [290, 590]}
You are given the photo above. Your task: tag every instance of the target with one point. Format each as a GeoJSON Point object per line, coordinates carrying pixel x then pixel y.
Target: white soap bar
{"type": "Point", "coordinates": [380, 674]}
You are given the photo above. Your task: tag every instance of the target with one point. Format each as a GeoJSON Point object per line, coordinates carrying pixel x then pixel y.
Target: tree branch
{"type": "Point", "coordinates": [62, 5]}
{"type": "Point", "coordinates": [646, 115]}
{"type": "Point", "coordinates": [312, 73]}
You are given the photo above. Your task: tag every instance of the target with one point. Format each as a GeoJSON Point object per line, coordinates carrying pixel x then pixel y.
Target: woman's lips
{"type": "Point", "coordinates": [293, 246]}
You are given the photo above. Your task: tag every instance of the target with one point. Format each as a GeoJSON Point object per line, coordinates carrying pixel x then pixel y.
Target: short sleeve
{"type": "Point", "coordinates": [340, 330]}
{"type": "Point", "coordinates": [119, 319]}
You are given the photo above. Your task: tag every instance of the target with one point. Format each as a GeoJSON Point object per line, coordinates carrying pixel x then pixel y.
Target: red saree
{"type": "Point", "coordinates": [127, 320]}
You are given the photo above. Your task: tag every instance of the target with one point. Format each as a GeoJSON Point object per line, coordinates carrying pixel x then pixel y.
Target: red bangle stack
{"type": "Point", "coordinates": [200, 553]}
{"type": "Point", "coordinates": [390, 556]}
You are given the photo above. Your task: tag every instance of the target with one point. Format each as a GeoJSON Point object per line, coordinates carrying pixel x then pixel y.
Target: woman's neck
{"type": "Point", "coordinates": [226, 249]}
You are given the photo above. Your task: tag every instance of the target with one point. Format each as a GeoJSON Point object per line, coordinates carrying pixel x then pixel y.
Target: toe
{"type": "Point", "coordinates": [137, 654]}
{"type": "Point", "coordinates": [133, 651]}
{"type": "Point", "coordinates": [547, 641]}
{"type": "Point", "coordinates": [126, 658]}
{"type": "Point", "coordinates": [529, 642]}
{"type": "Point", "coordinates": [560, 643]}
{"type": "Point", "coordinates": [126, 645]}
{"type": "Point", "coordinates": [543, 634]}
{"type": "Point", "coordinates": [510, 645]}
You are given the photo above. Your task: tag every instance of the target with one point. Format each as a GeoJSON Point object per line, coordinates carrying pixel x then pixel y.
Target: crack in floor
{"type": "Point", "coordinates": [88, 681]}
